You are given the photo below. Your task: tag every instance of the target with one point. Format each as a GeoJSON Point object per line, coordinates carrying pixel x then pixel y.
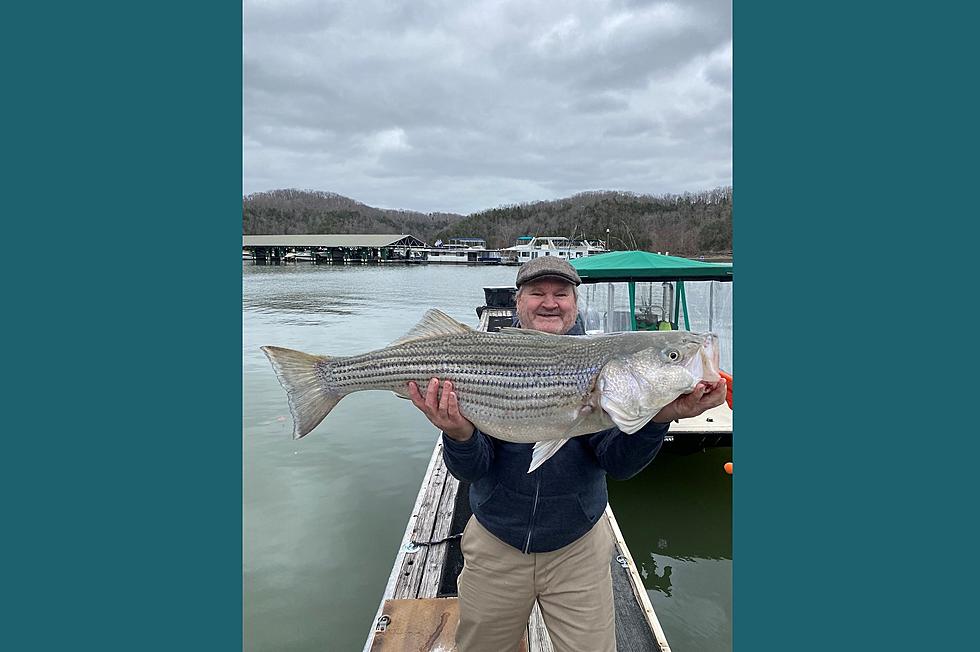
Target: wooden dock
{"type": "Point", "coordinates": [419, 609]}
{"type": "Point", "coordinates": [418, 612]}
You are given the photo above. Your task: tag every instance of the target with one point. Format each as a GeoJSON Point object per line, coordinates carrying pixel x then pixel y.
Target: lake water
{"type": "Point", "coordinates": [324, 516]}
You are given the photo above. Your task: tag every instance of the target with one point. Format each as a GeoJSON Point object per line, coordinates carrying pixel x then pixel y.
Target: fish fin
{"type": "Point", "coordinates": [628, 423]}
{"type": "Point", "coordinates": [514, 330]}
{"type": "Point", "coordinates": [309, 400]}
{"type": "Point", "coordinates": [543, 450]}
{"type": "Point", "coordinates": [433, 323]}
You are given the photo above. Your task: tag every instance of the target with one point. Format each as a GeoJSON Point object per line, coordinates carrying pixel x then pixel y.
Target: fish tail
{"type": "Point", "coordinates": [310, 399]}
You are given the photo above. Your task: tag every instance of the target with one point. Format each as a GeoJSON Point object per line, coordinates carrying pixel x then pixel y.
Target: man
{"type": "Point", "coordinates": [537, 535]}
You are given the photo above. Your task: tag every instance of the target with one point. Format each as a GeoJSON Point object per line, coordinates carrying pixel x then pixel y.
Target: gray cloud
{"type": "Point", "coordinates": [462, 106]}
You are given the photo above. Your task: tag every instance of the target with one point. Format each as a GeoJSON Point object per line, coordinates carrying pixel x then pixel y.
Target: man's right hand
{"type": "Point", "coordinates": [442, 409]}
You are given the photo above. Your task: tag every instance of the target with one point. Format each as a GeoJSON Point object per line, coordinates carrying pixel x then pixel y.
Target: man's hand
{"type": "Point", "coordinates": [442, 409]}
{"type": "Point", "coordinates": [704, 397]}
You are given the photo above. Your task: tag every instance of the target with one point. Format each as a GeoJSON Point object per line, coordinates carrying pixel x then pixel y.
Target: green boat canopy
{"type": "Point", "coordinates": [619, 266]}
{"type": "Point", "coordinates": [632, 267]}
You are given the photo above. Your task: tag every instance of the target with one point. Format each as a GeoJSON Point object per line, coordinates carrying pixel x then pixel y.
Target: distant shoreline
{"type": "Point", "coordinates": [712, 258]}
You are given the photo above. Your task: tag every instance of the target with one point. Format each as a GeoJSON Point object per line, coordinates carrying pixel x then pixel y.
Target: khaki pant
{"type": "Point", "coordinates": [499, 583]}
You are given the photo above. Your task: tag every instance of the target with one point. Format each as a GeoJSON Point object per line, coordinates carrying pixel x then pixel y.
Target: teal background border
{"type": "Point", "coordinates": [853, 143]}
{"type": "Point", "coordinates": [853, 519]}
{"type": "Point", "coordinates": [122, 437]}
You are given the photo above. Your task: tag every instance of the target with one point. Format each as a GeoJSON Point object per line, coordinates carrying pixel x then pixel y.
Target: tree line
{"type": "Point", "coordinates": [684, 224]}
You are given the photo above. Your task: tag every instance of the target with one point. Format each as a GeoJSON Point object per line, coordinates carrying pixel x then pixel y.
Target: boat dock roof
{"type": "Point", "coordinates": [333, 240]}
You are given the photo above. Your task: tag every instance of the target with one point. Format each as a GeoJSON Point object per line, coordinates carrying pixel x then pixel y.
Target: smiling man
{"type": "Point", "coordinates": [538, 536]}
{"type": "Point", "coordinates": [546, 295]}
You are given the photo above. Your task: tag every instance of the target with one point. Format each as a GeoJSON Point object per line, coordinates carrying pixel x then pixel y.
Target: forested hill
{"type": "Point", "coordinates": [305, 212]}
{"type": "Point", "coordinates": [686, 225]}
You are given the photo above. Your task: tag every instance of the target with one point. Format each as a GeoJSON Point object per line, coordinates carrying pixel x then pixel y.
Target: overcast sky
{"type": "Point", "coordinates": [460, 105]}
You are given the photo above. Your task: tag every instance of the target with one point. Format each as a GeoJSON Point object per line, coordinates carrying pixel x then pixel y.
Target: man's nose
{"type": "Point", "coordinates": [549, 301]}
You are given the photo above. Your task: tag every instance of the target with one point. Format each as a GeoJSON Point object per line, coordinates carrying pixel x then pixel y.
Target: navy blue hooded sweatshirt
{"type": "Point", "coordinates": [561, 500]}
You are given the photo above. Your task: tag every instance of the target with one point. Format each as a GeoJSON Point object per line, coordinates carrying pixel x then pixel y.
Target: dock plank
{"type": "Point", "coordinates": [538, 639]}
{"type": "Point", "coordinates": [436, 558]}
{"type": "Point", "coordinates": [418, 626]}
{"type": "Point", "coordinates": [398, 565]}
{"type": "Point", "coordinates": [413, 565]}
{"type": "Point", "coordinates": [421, 625]}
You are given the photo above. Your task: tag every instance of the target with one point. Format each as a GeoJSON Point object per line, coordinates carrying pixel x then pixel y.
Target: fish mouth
{"type": "Point", "coordinates": [705, 365]}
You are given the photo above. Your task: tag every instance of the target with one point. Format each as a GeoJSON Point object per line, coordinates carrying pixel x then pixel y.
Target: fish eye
{"type": "Point", "coordinates": [673, 355]}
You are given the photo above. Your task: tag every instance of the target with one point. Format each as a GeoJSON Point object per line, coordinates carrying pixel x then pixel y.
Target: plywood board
{"type": "Point", "coordinates": [427, 625]}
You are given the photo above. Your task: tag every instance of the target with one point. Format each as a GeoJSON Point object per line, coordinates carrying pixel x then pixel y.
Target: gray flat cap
{"type": "Point", "coordinates": [547, 266]}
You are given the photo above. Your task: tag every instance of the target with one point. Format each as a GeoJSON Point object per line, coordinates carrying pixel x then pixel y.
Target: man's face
{"type": "Point", "coordinates": [547, 304]}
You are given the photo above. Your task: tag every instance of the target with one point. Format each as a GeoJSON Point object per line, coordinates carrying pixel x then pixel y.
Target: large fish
{"type": "Point", "coordinates": [518, 385]}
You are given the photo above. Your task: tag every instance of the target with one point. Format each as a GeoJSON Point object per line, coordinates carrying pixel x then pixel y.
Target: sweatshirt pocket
{"type": "Point", "coordinates": [593, 505]}
{"type": "Point", "coordinates": [505, 512]}
{"type": "Point", "coordinates": [559, 521]}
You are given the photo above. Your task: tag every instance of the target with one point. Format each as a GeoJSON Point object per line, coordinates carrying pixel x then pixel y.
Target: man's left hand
{"type": "Point", "coordinates": [704, 397]}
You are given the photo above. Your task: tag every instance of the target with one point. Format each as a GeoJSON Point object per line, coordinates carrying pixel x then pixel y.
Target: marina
{"type": "Point", "coordinates": [402, 248]}
{"type": "Point", "coordinates": [331, 249]}
{"type": "Point", "coordinates": [330, 511]}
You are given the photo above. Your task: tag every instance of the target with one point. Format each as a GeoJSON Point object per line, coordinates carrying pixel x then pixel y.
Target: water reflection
{"type": "Point", "coordinates": [676, 517]}
{"type": "Point", "coordinates": [680, 506]}
{"type": "Point", "coordinates": [651, 579]}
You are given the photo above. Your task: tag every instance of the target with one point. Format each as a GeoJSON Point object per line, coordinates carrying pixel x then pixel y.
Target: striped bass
{"type": "Point", "coordinates": [518, 385]}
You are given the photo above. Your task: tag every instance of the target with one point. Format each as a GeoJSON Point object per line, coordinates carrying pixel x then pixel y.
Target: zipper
{"type": "Point", "coordinates": [534, 509]}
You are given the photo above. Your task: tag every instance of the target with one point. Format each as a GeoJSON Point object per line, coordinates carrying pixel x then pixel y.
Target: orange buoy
{"type": "Point", "coordinates": [728, 468]}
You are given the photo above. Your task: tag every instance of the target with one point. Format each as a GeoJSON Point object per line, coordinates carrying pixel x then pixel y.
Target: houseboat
{"type": "Point", "coordinates": [461, 250]}
{"type": "Point", "coordinates": [529, 248]}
